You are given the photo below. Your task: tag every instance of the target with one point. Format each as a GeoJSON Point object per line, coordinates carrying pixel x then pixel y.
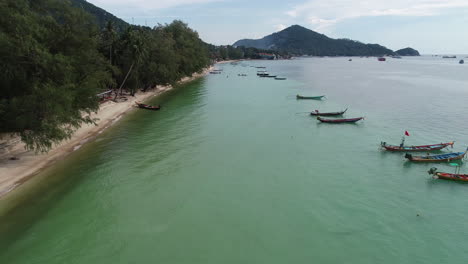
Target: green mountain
{"type": "Point", "coordinates": [100, 15]}
{"type": "Point", "coordinates": [407, 52]}
{"type": "Point", "coordinates": [302, 41]}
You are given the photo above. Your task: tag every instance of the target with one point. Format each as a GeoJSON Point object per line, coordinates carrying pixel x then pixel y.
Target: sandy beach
{"type": "Point", "coordinates": [27, 163]}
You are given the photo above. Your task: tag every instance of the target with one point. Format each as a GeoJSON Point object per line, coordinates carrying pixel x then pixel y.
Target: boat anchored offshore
{"type": "Point", "coordinates": [437, 158]}
{"type": "Point", "coordinates": [317, 113]}
{"type": "Point", "coordinates": [148, 107]}
{"type": "Point", "coordinates": [310, 97]}
{"type": "Point", "coordinates": [421, 148]}
{"type": "Point", "coordinates": [448, 176]}
{"type": "Point", "coordinates": [461, 61]}
{"type": "Point", "coordinates": [339, 120]}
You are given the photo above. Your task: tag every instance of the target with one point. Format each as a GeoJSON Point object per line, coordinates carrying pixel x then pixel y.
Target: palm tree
{"type": "Point", "coordinates": [110, 38]}
{"type": "Point", "coordinates": [135, 43]}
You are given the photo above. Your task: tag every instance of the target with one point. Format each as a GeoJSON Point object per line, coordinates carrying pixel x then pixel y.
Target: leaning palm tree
{"type": "Point", "coordinates": [135, 43]}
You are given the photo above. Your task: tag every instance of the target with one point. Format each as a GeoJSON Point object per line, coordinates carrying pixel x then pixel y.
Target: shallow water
{"type": "Point", "coordinates": [233, 170]}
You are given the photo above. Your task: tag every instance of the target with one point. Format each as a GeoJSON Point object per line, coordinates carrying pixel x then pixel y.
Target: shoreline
{"type": "Point", "coordinates": [14, 173]}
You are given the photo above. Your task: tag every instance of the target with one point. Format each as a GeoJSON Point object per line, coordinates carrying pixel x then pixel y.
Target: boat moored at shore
{"type": "Point", "coordinates": [148, 107]}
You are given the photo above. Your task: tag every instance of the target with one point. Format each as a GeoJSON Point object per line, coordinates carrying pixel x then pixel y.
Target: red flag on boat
{"type": "Point", "coordinates": [406, 133]}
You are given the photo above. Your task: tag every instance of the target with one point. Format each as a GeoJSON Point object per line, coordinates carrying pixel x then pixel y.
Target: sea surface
{"type": "Point", "coordinates": [234, 170]}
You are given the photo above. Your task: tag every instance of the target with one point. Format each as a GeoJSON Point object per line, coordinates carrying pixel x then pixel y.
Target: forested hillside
{"type": "Point", "coordinates": [101, 16]}
{"type": "Point", "coordinates": [55, 59]}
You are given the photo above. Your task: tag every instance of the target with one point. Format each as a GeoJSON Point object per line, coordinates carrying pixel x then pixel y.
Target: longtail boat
{"type": "Point", "coordinates": [416, 148]}
{"type": "Point", "coordinates": [280, 78]}
{"type": "Point", "coordinates": [317, 113]}
{"type": "Point", "coordinates": [437, 158]}
{"type": "Point", "coordinates": [148, 107]}
{"type": "Point", "coordinates": [448, 176]}
{"type": "Point", "coordinates": [339, 120]}
{"type": "Point", "coordinates": [310, 97]}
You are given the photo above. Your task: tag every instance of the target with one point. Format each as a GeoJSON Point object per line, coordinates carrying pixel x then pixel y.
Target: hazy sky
{"type": "Point", "coordinates": [430, 26]}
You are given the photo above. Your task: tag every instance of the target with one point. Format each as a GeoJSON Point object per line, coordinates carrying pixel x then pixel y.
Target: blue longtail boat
{"type": "Point", "coordinates": [437, 158]}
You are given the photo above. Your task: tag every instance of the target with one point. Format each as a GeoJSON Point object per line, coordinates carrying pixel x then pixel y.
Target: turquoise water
{"type": "Point", "coordinates": [233, 170]}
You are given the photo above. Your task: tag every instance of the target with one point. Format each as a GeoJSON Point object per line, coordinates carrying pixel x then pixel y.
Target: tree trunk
{"type": "Point", "coordinates": [120, 88]}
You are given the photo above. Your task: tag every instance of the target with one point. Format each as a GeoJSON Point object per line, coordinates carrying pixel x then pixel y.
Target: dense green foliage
{"type": "Point", "coordinates": [407, 52]}
{"type": "Point", "coordinates": [241, 52]}
{"type": "Point", "coordinates": [100, 16]}
{"type": "Point", "coordinates": [302, 41]}
{"type": "Point", "coordinates": [49, 70]}
{"type": "Point", "coordinates": [54, 61]}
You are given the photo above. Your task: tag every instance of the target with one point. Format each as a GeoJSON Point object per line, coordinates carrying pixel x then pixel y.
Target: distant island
{"type": "Point", "coordinates": [407, 52]}
{"type": "Point", "coordinates": [299, 40]}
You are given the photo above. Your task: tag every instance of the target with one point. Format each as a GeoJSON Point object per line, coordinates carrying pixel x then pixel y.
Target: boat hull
{"type": "Point", "coordinates": [339, 121]}
{"type": "Point", "coordinates": [448, 176]}
{"type": "Point", "coordinates": [310, 97]}
{"type": "Point", "coordinates": [422, 148]}
{"type": "Point", "coordinates": [436, 158]}
{"type": "Point", "coordinates": [148, 107]}
{"type": "Point", "coordinates": [451, 176]}
{"type": "Point", "coordinates": [316, 113]}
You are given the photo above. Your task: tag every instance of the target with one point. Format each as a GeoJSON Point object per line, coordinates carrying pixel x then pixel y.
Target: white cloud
{"type": "Point", "coordinates": [323, 14]}
{"type": "Point", "coordinates": [321, 24]}
{"type": "Point", "coordinates": [280, 27]}
{"type": "Point", "coordinates": [292, 13]}
{"type": "Point", "coordinates": [148, 4]}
